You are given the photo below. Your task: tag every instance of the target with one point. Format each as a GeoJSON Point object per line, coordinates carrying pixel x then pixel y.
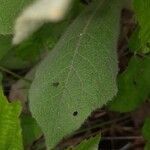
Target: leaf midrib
{"type": "Point", "coordinates": [79, 43]}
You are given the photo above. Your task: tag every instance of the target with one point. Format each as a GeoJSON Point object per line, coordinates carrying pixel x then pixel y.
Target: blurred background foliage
{"type": "Point", "coordinates": [133, 79]}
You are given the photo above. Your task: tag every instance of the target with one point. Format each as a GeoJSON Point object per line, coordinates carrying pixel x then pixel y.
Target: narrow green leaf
{"type": "Point", "coordinates": [9, 10]}
{"type": "Point", "coordinates": [146, 129]}
{"type": "Point", "coordinates": [135, 44]}
{"type": "Point", "coordinates": [146, 133]}
{"type": "Point", "coordinates": [134, 41]}
{"type": "Point", "coordinates": [10, 131]}
{"type": "Point", "coordinates": [133, 84]}
{"type": "Point", "coordinates": [79, 75]}
{"type": "Point", "coordinates": [90, 144]}
{"type": "Point", "coordinates": [142, 11]}
{"type": "Point", "coordinates": [147, 146]}
{"type": "Point", "coordinates": [30, 130]}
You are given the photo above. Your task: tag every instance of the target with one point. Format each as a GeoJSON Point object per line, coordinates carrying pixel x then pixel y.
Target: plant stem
{"type": "Point", "coordinates": [122, 138]}
{"type": "Point", "coordinates": [14, 74]}
{"type": "Point", "coordinates": [103, 124]}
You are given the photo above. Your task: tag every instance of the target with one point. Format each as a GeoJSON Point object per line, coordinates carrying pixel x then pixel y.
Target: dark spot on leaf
{"type": "Point", "coordinates": [148, 44]}
{"type": "Point", "coordinates": [134, 82]}
{"type": "Point", "coordinates": [86, 1]}
{"type": "Point", "coordinates": [55, 84]}
{"type": "Point", "coordinates": [75, 113]}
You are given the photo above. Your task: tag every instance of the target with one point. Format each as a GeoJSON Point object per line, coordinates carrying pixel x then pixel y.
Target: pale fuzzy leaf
{"type": "Point", "coordinates": [38, 13]}
{"type": "Point", "coordinates": [79, 75]}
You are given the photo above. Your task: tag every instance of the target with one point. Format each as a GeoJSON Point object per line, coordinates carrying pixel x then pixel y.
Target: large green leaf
{"type": "Point", "coordinates": [10, 131]}
{"type": "Point", "coordinates": [8, 12]}
{"type": "Point", "coordinates": [30, 130]}
{"type": "Point", "coordinates": [133, 84]}
{"type": "Point", "coordinates": [79, 75]}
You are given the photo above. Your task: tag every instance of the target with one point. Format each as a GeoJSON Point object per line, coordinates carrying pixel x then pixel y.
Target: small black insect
{"type": "Point", "coordinates": [134, 82]}
{"type": "Point", "coordinates": [75, 113]}
{"type": "Point", "coordinates": [55, 84]}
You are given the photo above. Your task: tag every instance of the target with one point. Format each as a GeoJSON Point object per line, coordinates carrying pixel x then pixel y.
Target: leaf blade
{"type": "Point", "coordinates": [70, 80]}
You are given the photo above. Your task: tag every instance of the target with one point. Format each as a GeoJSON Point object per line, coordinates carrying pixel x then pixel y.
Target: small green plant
{"type": "Point", "coordinates": [63, 66]}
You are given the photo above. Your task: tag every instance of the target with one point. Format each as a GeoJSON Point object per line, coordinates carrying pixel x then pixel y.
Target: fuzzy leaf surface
{"type": "Point", "coordinates": [79, 75]}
